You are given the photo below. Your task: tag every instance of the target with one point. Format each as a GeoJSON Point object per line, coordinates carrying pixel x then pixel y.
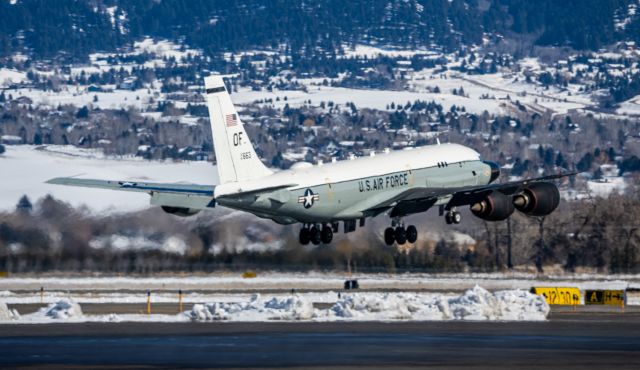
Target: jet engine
{"type": "Point", "coordinates": [495, 207]}
{"type": "Point", "coordinates": [538, 199]}
{"type": "Point", "coordinates": [180, 211]}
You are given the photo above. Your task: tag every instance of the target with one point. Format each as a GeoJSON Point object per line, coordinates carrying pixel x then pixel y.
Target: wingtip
{"type": "Point", "coordinates": [55, 181]}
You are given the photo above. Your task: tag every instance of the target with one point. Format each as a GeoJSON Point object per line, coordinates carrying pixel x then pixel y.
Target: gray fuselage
{"type": "Point", "coordinates": [357, 197]}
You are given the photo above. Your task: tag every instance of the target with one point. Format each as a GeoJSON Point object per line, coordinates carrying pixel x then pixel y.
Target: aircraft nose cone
{"type": "Point", "coordinates": [495, 170]}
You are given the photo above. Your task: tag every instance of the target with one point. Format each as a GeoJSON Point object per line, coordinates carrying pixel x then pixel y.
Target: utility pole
{"type": "Point", "coordinates": [540, 253]}
{"type": "Point", "coordinates": [509, 244]}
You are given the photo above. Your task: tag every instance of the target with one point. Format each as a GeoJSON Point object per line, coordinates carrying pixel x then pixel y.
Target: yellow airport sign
{"type": "Point", "coordinates": [559, 295]}
{"type": "Point", "coordinates": [604, 297]}
{"type": "Point", "coordinates": [249, 274]}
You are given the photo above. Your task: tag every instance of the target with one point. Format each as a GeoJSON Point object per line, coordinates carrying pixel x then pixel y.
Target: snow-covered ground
{"type": "Point", "coordinates": [97, 297]}
{"type": "Point", "coordinates": [11, 76]}
{"type": "Point", "coordinates": [25, 169]}
{"type": "Point", "coordinates": [502, 90]}
{"type": "Point", "coordinates": [495, 93]}
{"type": "Point", "coordinates": [630, 107]}
{"type": "Point", "coordinates": [229, 297]}
{"type": "Point", "coordinates": [606, 186]}
{"type": "Point", "coordinates": [268, 281]}
{"type": "Point", "coordinates": [80, 96]}
{"type": "Point", "coordinates": [362, 98]}
{"type": "Point", "coordinates": [361, 51]}
{"type": "Point", "coordinates": [475, 304]}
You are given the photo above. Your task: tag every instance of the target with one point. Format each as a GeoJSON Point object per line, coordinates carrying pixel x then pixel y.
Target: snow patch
{"type": "Point", "coordinates": [11, 76]}
{"type": "Point", "coordinates": [476, 304]}
{"type": "Point", "coordinates": [368, 51]}
{"type": "Point", "coordinates": [292, 308]}
{"type": "Point", "coordinates": [608, 185]}
{"type": "Point", "coordinates": [164, 48]}
{"type": "Point", "coordinates": [172, 244]}
{"type": "Point", "coordinates": [509, 305]}
{"type": "Point", "coordinates": [6, 314]}
{"type": "Point", "coordinates": [381, 306]}
{"type": "Point", "coordinates": [63, 309]}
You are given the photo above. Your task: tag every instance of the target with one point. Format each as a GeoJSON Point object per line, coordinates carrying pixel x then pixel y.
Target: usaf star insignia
{"type": "Point", "coordinates": [308, 199]}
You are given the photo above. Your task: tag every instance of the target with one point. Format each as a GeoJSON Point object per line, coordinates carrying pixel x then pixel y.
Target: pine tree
{"type": "Point", "coordinates": [24, 205]}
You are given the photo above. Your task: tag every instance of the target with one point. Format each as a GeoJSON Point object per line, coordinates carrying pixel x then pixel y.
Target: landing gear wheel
{"type": "Point", "coordinates": [326, 235]}
{"type": "Point", "coordinates": [447, 218]}
{"type": "Point", "coordinates": [456, 217]}
{"type": "Point", "coordinates": [412, 234]}
{"type": "Point", "coordinates": [389, 236]}
{"type": "Point", "coordinates": [401, 235]}
{"type": "Point", "coordinates": [316, 236]}
{"type": "Point", "coordinates": [305, 236]}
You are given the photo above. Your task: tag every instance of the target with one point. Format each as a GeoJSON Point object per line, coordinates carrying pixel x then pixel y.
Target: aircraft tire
{"type": "Point", "coordinates": [400, 235]}
{"type": "Point", "coordinates": [305, 236]}
{"type": "Point", "coordinates": [389, 236]}
{"type": "Point", "coordinates": [326, 235]}
{"type": "Point", "coordinates": [448, 218]}
{"type": "Point", "coordinates": [412, 234]}
{"type": "Point", "coordinates": [316, 235]}
{"type": "Point", "coordinates": [456, 217]}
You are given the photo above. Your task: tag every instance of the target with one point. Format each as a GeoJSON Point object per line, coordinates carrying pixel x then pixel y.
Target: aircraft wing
{"type": "Point", "coordinates": [146, 187]}
{"type": "Point", "coordinates": [420, 199]}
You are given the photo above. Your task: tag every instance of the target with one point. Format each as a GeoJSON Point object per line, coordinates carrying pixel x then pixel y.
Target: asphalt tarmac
{"type": "Point", "coordinates": [600, 338]}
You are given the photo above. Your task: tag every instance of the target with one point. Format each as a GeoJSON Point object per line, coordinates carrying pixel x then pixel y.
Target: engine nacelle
{"type": "Point", "coordinates": [538, 199]}
{"type": "Point", "coordinates": [495, 207]}
{"type": "Point", "coordinates": [180, 211]}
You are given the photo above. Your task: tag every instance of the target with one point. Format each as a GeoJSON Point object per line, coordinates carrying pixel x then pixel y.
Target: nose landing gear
{"type": "Point", "coordinates": [452, 217]}
{"type": "Point", "coordinates": [399, 234]}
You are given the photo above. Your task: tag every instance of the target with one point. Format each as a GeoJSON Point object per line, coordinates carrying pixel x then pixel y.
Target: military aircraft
{"type": "Point", "coordinates": [321, 196]}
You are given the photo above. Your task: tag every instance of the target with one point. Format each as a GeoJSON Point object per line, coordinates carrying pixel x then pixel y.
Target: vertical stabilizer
{"type": "Point", "coordinates": [235, 156]}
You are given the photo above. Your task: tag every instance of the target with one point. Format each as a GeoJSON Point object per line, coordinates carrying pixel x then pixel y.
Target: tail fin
{"type": "Point", "coordinates": [236, 158]}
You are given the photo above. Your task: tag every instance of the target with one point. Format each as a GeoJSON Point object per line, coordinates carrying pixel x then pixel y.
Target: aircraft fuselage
{"type": "Point", "coordinates": [347, 189]}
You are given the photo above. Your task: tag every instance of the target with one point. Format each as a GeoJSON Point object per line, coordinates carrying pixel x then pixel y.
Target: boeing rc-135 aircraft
{"type": "Point", "coordinates": [397, 183]}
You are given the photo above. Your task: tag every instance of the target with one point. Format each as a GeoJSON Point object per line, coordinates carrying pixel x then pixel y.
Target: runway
{"type": "Point", "coordinates": [568, 340]}
{"type": "Point", "coordinates": [582, 337]}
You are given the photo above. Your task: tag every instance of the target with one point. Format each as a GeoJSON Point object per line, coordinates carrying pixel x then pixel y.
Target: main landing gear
{"type": "Point", "coordinates": [316, 234]}
{"type": "Point", "coordinates": [398, 234]}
